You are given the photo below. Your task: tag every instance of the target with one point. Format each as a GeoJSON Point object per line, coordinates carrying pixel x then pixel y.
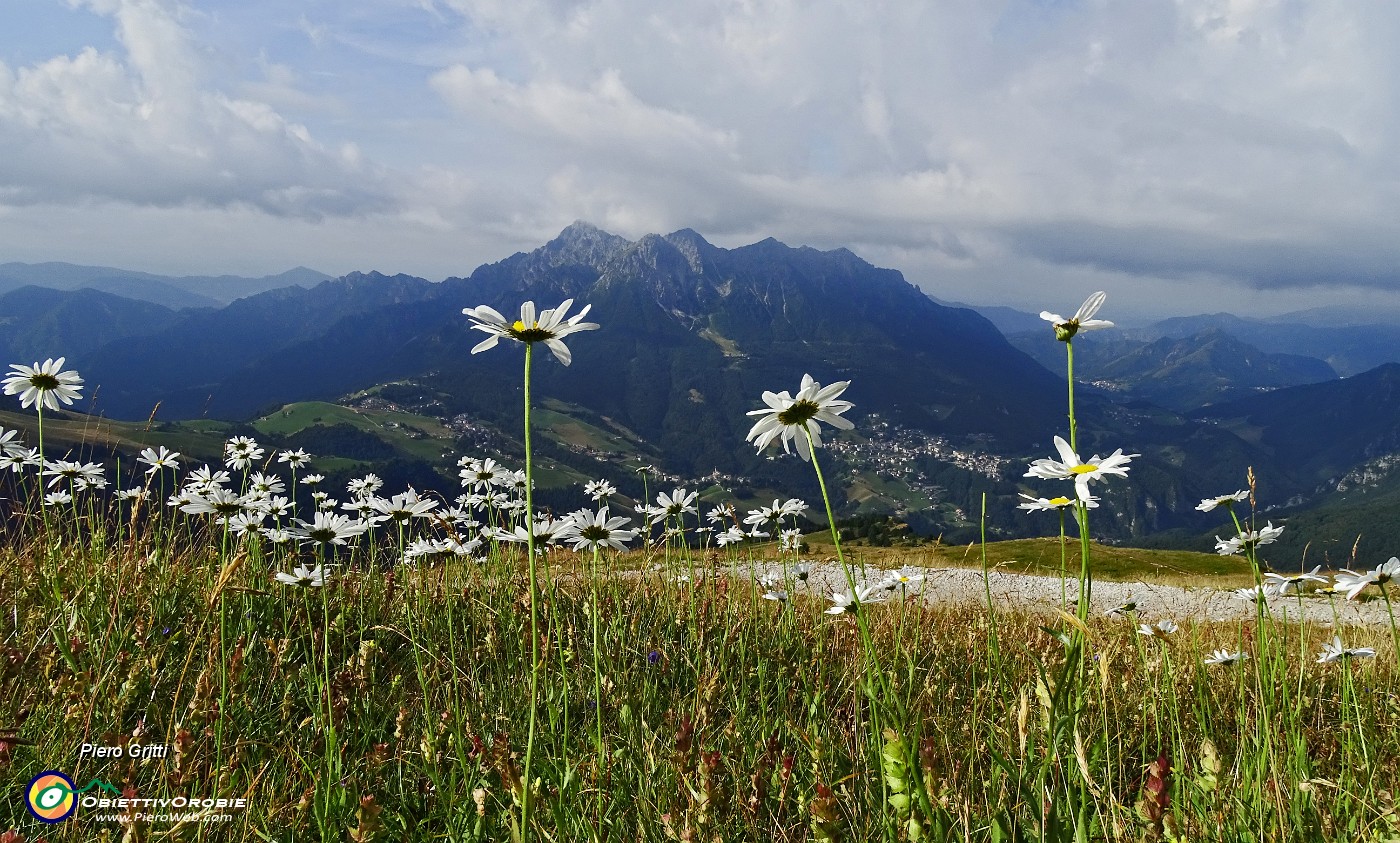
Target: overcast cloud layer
{"type": "Point", "coordinates": [1187, 156]}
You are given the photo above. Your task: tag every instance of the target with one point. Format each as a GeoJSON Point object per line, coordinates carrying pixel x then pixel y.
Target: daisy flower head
{"type": "Point", "coordinates": [303, 576]}
{"type": "Point", "coordinates": [8, 444]}
{"type": "Point", "coordinates": [158, 458]}
{"type": "Point", "coordinates": [328, 528]}
{"type": "Point", "coordinates": [787, 416]}
{"type": "Point", "coordinates": [241, 452]}
{"type": "Point", "coordinates": [1284, 583]}
{"type": "Point", "coordinates": [1122, 610]}
{"type": "Point", "coordinates": [1159, 630]}
{"type": "Point", "coordinates": [905, 577]}
{"type": "Point", "coordinates": [599, 490]}
{"type": "Point", "coordinates": [1060, 503]}
{"type": "Point", "coordinates": [44, 384]}
{"type": "Point", "coordinates": [843, 602]}
{"type": "Point", "coordinates": [549, 327]}
{"type": "Point", "coordinates": [1082, 320]}
{"type": "Point", "coordinates": [1333, 651]}
{"type": "Point", "coordinates": [1354, 583]}
{"type": "Point", "coordinates": [599, 530]}
{"type": "Point", "coordinates": [1082, 472]}
{"type": "Point", "coordinates": [776, 595]}
{"type": "Point", "coordinates": [677, 504]}
{"type": "Point", "coordinates": [733, 535]}
{"type": "Point", "coordinates": [1225, 657]}
{"type": "Point", "coordinates": [362, 487]}
{"type": "Point", "coordinates": [1227, 501]}
{"type": "Point", "coordinates": [295, 459]}
{"type": "Point", "coordinates": [1248, 540]}
{"type": "Point", "coordinates": [1253, 593]}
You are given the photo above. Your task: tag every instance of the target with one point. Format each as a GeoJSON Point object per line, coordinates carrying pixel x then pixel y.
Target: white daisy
{"type": "Point", "coordinates": [1160, 630]}
{"type": "Point", "coordinates": [1060, 503]}
{"type": "Point", "coordinates": [1333, 651]}
{"type": "Point", "coordinates": [159, 458]}
{"type": "Point", "coordinates": [1283, 584]}
{"type": "Point", "coordinates": [1248, 540]}
{"type": "Point", "coordinates": [550, 327]}
{"type": "Point", "coordinates": [1083, 320]}
{"type": "Point", "coordinates": [1226, 501]}
{"type": "Point", "coordinates": [1082, 472]}
{"type": "Point", "coordinates": [599, 530]}
{"type": "Point", "coordinates": [303, 577]}
{"type": "Point", "coordinates": [1225, 657]}
{"type": "Point", "coordinates": [787, 416]}
{"type": "Point", "coordinates": [45, 384]}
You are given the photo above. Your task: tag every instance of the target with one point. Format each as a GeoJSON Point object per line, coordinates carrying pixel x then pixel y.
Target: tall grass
{"type": "Point", "coordinates": [718, 715]}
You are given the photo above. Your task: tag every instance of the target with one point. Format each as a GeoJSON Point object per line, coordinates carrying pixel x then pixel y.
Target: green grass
{"type": "Point", "coordinates": [749, 723]}
{"type": "Point", "coordinates": [420, 436]}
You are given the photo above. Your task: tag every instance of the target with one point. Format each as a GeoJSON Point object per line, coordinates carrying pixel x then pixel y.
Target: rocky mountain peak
{"type": "Point", "coordinates": [582, 243]}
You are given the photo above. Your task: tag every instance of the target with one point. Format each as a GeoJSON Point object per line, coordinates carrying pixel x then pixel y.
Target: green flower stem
{"type": "Point", "coordinates": [525, 800]}
{"type": "Point", "coordinates": [1394, 638]}
{"type": "Point", "coordinates": [43, 506]}
{"type": "Point", "coordinates": [872, 658]}
{"type": "Point", "coordinates": [1064, 562]}
{"type": "Point", "coordinates": [1073, 424]}
{"type": "Point", "coordinates": [987, 586]}
{"type": "Point", "coordinates": [597, 681]}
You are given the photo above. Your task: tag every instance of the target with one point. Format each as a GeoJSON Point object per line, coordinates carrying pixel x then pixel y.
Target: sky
{"type": "Point", "coordinates": [1186, 156]}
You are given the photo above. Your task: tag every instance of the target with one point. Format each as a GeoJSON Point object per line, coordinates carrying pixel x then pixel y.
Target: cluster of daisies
{"type": "Point", "coordinates": [776, 587]}
{"type": "Point", "coordinates": [1332, 651]}
{"type": "Point", "coordinates": [1348, 582]}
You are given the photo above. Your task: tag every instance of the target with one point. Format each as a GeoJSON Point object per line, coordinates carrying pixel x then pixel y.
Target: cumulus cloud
{"type": "Point", "coordinates": [146, 126]}
{"type": "Point", "coordinates": [1174, 145]}
{"type": "Point", "coordinates": [1247, 140]}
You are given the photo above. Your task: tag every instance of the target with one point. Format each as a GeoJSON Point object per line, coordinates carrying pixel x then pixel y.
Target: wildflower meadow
{"type": "Point", "coordinates": [238, 652]}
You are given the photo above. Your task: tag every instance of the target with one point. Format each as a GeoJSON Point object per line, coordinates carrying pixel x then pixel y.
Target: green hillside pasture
{"type": "Point", "coordinates": [74, 431]}
{"type": "Point", "coordinates": [420, 436]}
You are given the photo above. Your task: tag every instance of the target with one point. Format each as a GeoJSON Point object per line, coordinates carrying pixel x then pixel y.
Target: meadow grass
{"type": "Point", "coordinates": [724, 716]}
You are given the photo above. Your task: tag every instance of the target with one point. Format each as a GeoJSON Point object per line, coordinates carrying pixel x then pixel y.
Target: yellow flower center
{"type": "Point", "coordinates": [799, 412]}
{"type": "Point", "coordinates": [518, 326]}
{"type": "Point", "coordinates": [1083, 469]}
{"type": "Point", "coordinates": [1060, 501]}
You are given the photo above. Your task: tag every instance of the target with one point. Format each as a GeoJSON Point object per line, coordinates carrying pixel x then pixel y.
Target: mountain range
{"type": "Point", "coordinates": [947, 408]}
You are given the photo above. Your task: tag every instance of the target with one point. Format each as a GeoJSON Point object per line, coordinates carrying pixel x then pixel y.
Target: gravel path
{"type": "Point", "coordinates": [1154, 602]}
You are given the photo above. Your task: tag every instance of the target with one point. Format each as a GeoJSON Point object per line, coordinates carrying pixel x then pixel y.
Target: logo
{"type": "Point", "coordinates": [51, 797]}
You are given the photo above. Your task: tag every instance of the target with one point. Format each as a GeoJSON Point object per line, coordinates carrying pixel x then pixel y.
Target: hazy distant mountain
{"type": "Point", "coordinates": [1322, 431]}
{"type": "Point", "coordinates": [37, 323]}
{"type": "Point", "coordinates": [173, 292]}
{"type": "Point", "coordinates": [1008, 320]}
{"type": "Point", "coordinates": [1180, 374]}
{"type": "Point", "coordinates": [184, 365]}
{"type": "Point", "coordinates": [1348, 349]}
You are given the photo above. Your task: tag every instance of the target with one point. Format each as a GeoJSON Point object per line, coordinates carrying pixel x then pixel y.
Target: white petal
{"type": "Point", "coordinates": [561, 351]}
{"type": "Point", "coordinates": [1090, 306]}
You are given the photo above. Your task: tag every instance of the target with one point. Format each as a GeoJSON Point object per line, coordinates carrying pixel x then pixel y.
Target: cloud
{"type": "Point", "coordinates": [145, 126]}
{"type": "Point", "coordinates": [1163, 145]}
{"type": "Point", "coordinates": [1245, 140]}
{"type": "Point", "coordinates": [604, 116]}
